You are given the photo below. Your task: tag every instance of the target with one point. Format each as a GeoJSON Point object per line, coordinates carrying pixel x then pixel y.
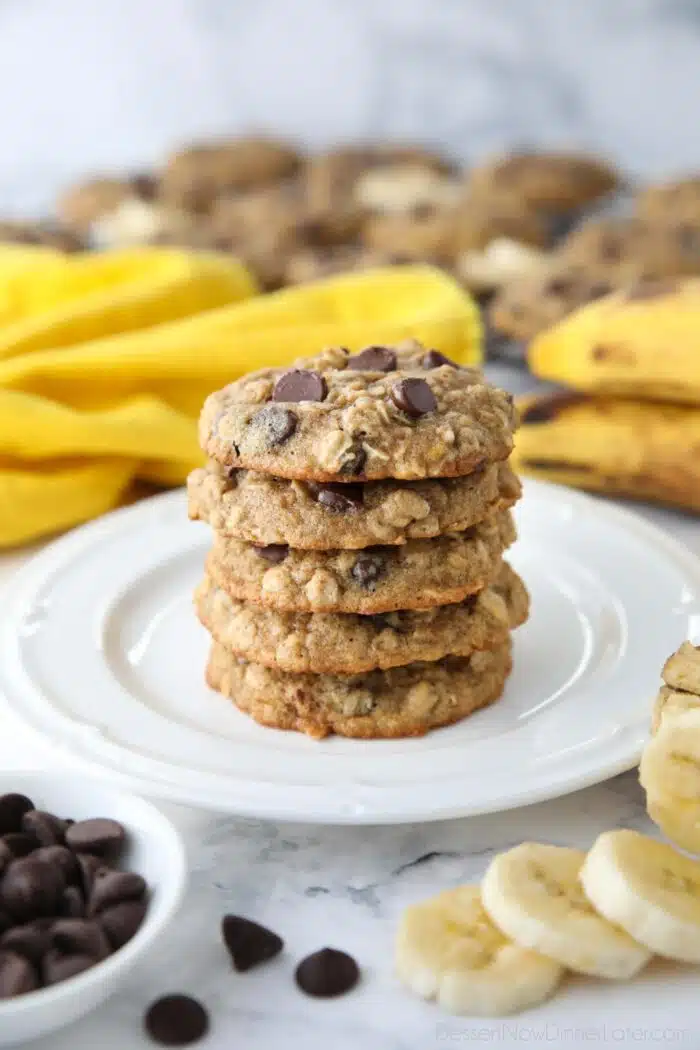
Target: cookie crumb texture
{"type": "Point", "coordinates": [401, 702]}
{"type": "Point", "coordinates": [337, 643]}
{"type": "Point", "coordinates": [325, 419]}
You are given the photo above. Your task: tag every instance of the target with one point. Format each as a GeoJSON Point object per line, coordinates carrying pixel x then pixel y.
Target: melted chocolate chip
{"type": "Point", "coordinates": [549, 406]}
{"type": "Point", "coordinates": [278, 424]}
{"type": "Point", "coordinates": [327, 973]}
{"type": "Point", "coordinates": [434, 359]}
{"type": "Point", "coordinates": [367, 569]}
{"type": "Point", "coordinates": [248, 943]}
{"type": "Point", "coordinates": [374, 359]}
{"type": "Point", "coordinates": [274, 552]}
{"type": "Point", "coordinates": [354, 460]}
{"type": "Point", "coordinates": [300, 384]}
{"type": "Point", "coordinates": [338, 498]}
{"type": "Point", "coordinates": [414, 397]}
{"type": "Point", "coordinates": [176, 1020]}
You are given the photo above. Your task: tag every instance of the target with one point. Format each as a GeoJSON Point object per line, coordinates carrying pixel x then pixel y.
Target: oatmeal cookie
{"type": "Point", "coordinates": [82, 205]}
{"type": "Point", "coordinates": [400, 702]}
{"type": "Point", "coordinates": [529, 304]}
{"type": "Point", "coordinates": [403, 412]}
{"type": "Point", "coordinates": [672, 202]}
{"type": "Point", "coordinates": [41, 234]}
{"type": "Point", "coordinates": [346, 643]}
{"type": "Point", "coordinates": [262, 509]}
{"type": "Point", "coordinates": [549, 181]}
{"type": "Point", "coordinates": [418, 575]}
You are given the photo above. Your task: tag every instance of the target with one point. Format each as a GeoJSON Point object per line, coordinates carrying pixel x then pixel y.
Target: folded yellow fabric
{"type": "Point", "coordinates": [641, 344]}
{"type": "Point", "coordinates": [640, 449]}
{"type": "Point", "coordinates": [106, 359]}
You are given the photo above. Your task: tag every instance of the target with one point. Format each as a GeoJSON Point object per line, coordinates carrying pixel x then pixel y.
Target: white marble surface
{"type": "Point", "coordinates": [115, 84]}
{"type": "Point", "coordinates": [345, 888]}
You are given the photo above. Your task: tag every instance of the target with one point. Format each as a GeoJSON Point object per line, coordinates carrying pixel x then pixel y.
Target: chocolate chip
{"type": "Point", "coordinates": [548, 406]}
{"type": "Point", "coordinates": [327, 973]}
{"type": "Point", "coordinates": [12, 809]}
{"type": "Point", "coordinates": [79, 937]}
{"type": "Point", "coordinates": [374, 359]}
{"type": "Point", "coordinates": [89, 866]}
{"type": "Point", "coordinates": [354, 460]}
{"type": "Point", "coordinates": [414, 397]}
{"type": "Point", "coordinates": [46, 828]}
{"type": "Point", "coordinates": [277, 424]}
{"type": "Point", "coordinates": [30, 941]}
{"type": "Point", "coordinates": [338, 498]}
{"type": "Point", "coordinates": [599, 289]}
{"type": "Point", "coordinates": [423, 211]}
{"type": "Point", "coordinates": [559, 286]}
{"type": "Point", "coordinates": [176, 1020]}
{"type": "Point", "coordinates": [20, 843]}
{"type": "Point", "coordinates": [144, 186]}
{"type": "Point", "coordinates": [300, 384]}
{"type": "Point", "coordinates": [72, 903]}
{"type": "Point", "coordinates": [5, 922]}
{"type": "Point", "coordinates": [249, 943]}
{"type": "Point", "coordinates": [17, 975]}
{"type": "Point", "coordinates": [6, 855]}
{"type": "Point", "coordinates": [274, 552]}
{"type": "Point", "coordinates": [367, 569]}
{"type": "Point", "coordinates": [99, 836]}
{"type": "Point", "coordinates": [62, 857]}
{"type": "Point", "coordinates": [610, 248]}
{"type": "Point", "coordinates": [30, 888]}
{"type": "Point", "coordinates": [57, 967]}
{"type": "Point", "coordinates": [689, 239]}
{"type": "Point", "coordinates": [115, 887]}
{"type": "Point", "coordinates": [434, 359]}
{"type": "Point", "coordinates": [122, 921]}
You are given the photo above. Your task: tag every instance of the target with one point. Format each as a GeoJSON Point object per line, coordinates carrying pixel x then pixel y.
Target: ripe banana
{"type": "Point", "coordinates": [534, 895]}
{"type": "Point", "coordinates": [669, 703]}
{"type": "Point", "coordinates": [449, 950]}
{"type": "Point", "coordinates": [647, 888]}
{"type": "Point", "coordinates": [682, 669]}
{"type": "Point", "coordinates": [670, 763]}
{"type": "Point", "coordinates": [678, 819]}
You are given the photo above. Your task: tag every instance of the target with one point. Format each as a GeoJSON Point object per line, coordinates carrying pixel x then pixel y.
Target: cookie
{"type": "Point", "coordinates": [639, 343]}
{"type": "Point", "coordinates": [425, 235]}
{"type": "Point", "coordinates": [485, 271]}
{"type": "Point", "coordinates": [400, 702]}
{"type": "Point", "coordinates": [640, 449]}
{"type": "Point", "coordinates": [418, 575]}
{"type": "Point", "coordinates": [482, 218]}
{"type": "Point", "coordinates": [317, 263]}
{"type": "Point", "coordinates": [671, 202]}
{"type": "Point", "coordinates": [529, 304]}
{"type": "Point", "coordinates": [549, 181]}
{"type": "Point", "coordinates": [345, 643]}
{"type": "Point", "coordinates": [82, 205]}
{"type": "Point", "coordinates": [262, 509]}
{"type": "Point", "coordinates": [41, 234]}
{"type": "Point", "coordinates": [194, 177]}
{"type": "Point", "coordinates": [406, 188]}
{"type": "Point", "coordinates": [629, 249]}
{"type": "Point", "coordinates": [403, 412]}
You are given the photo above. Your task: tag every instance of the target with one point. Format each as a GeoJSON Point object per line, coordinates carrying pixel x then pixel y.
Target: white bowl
{"type": "Point", "coordinates": [155, 851]}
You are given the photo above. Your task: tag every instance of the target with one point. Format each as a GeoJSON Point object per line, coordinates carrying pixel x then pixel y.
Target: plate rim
{"type": "Point", "coordinates": [62, 550]}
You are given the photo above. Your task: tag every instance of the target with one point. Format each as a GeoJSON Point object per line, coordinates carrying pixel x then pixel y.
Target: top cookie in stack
{"type": "Point", "coordinates": [360, 504]}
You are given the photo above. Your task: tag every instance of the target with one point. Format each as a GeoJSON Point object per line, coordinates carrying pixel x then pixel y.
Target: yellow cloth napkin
{"type": "Point", "coordinates": [106, 359]}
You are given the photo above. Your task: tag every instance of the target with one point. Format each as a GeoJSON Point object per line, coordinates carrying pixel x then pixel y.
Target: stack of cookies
{"type": "Point", "coordinates": [361, 509]}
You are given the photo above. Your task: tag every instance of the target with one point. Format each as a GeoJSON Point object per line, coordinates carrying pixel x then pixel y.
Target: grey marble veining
{"type": "Point", "coordinates": [114, 85]}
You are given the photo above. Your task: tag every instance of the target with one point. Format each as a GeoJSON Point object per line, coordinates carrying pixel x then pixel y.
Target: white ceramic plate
{"type": "Point", "coordinates": [100, 652]}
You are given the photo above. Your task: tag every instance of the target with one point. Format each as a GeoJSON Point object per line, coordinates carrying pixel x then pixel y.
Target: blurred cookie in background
{"type": "Point", "coordinates": [552, 182]}
{"type": "Point", "coordinates": [46, 235]}
{"type": "Point", "coordinates": [80, 206]}
{"type": "Point", "coordinates": [671, 202]}
{"type": "Point", "coordinates": [528, 304]}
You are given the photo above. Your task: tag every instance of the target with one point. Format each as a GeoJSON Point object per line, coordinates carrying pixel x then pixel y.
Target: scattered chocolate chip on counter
{"type": "Point", "coordinates": [248, 943]}
{"type": "Point", "coordinates": [176, 1020]}
{"type": "Point", "coordinates": [327, 973]}
{"type": "Point", "coordinates": [64, 906]}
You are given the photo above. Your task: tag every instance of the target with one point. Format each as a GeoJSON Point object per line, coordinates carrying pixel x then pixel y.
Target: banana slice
{"type": "Point", "coordinates": [533, 893]}
{"type": "Point", "coordinates": [649, 889]}
{"type": "Point", "coordinates": [670, 763]}
{"type": "Point", "coordinates": [448, 949]}
{"type": "Point", "coordinates": [682, 669]}
{"type": "Point", "coordinates": [678, 818]}
{"type": "Point", "coordinates": [671, 702]}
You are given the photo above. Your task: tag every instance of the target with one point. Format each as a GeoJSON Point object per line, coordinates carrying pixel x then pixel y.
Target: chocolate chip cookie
{"type": "Point", "coordinates": [343, 643]}
{"type": "Point", "coordinates": [82, 205]}
{"type": "Point", "coordinates": [670, 202]}
{"type": "Point", "coordinates": [400, 702]}
{"type": "Point", "coordinates": [387, 412]}
{"type": "Point", "coordinates": [529, 304]}
{"type": "Point", "coordinates": [549, 181]}
{"type": "Point", "coordinates": [262, 509]}
{"type": "Point", "coordinates": [42, 234]}
{"type": "Point", "coordinates": [417, 575]}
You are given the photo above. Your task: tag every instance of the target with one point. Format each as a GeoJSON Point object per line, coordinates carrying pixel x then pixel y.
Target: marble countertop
{"type": "Point", "coordinates": [345, 887]}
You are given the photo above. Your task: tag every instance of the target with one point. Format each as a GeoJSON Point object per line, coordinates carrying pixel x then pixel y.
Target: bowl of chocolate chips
{"type": "Point", "coordinates": [90, 876]}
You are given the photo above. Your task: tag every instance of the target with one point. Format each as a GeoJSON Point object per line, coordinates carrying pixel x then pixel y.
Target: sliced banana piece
{"type": "Point", "coordinates": [448, 949]}
{"type": "Point", "coordinates": [672, 702]}
{"type": "Point", "coordinates": [678, 818]}
{"type": "Point", "coordinates": [670, 763]}
{"type": "Point", "coordinates": [649, 889]}
{"type": "Point", "coordinates": [682, 669]}
{"type": "Point", "coordinates": [533, 893]}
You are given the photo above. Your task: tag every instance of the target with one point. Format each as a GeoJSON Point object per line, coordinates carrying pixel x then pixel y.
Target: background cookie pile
{"type": "Point", "coordinates": [360, 504]}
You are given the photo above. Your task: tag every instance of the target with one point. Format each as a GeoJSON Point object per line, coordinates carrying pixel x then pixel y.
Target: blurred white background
{"type": "Point", "coordinates": [112, 84]}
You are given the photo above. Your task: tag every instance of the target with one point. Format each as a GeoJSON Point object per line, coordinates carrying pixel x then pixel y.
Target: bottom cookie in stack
{"type": "Point", "coordinates": [364, 681]}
